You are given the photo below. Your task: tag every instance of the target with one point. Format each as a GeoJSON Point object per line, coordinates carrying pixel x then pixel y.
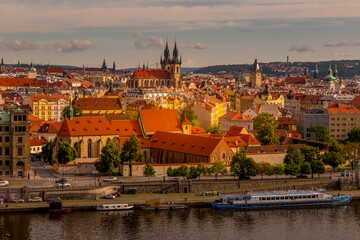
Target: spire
{"type": "Point", "coordinates": [306, 71]}
{"type": "Point", "coordinates": [104, 67]}
{"type": "Point", "coordinates": [114, 67]}
{"type": "Point", "coordinates": [111, 83]}
{"type": "Point", "coordinates": [256, 66]}
{"type": "Point", "coordinates": [175, 53]}
{"type": "Point", "coordinates": [71, 111]}
{"type": "Point", "coordinates": [336, 72]}
{"type": "Point", "coordinates": [166, 52]}
{"type": "Point", "coordinates": [266, 90]}
{"type": "Point", "coordinates": [2, 61]}
{"type": "Point", "coordinates": [18, 63]}
{"type": "Point", "coordinates": [316, 73]}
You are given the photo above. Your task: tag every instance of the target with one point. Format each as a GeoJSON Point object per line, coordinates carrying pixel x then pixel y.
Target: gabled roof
{"type": "Point", "coordinates": [98, 103]}
{"type": "Point", "coordinates": [34, 141]}
{"type": "Point", "coordinates": [151, 73]}
{"type": "Point", "coordinates": [85, 126]}
{"type": "Point", "coordinates": [236, 131]}
{"type": "Point", "coordinates": [189, 144]}
{"type": "Point", "coordinates": [55, 70]}
{"type": "Point", "coordinates": [185, 121]}
{"type": "Point", "coordinates": [50, 127]}
{"type": "Point", "coordinates": [312, 98]}
{"type": "Point", "coordinates": [342, 108]}
{"type": "Point", "coordinates": [154, 120]}
{"type": "Point", "coordinates": [197, 130]}
{"type": "Point", "coordinates": [18, 82]}
{"type": "Point", "coordinates": [235, 116]}
{"type": "Point", "coordinates": [126, 127]}
{"type": "Point", "coordinates": [53, 97]}
{"type": "Point", "coordinates": [295, 80]}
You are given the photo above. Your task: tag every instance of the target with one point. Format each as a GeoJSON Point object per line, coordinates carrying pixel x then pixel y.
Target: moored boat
{"type": "Point", "coordinates": [279, 200]}
{"type": "Point", "coordinates": [114, 207]}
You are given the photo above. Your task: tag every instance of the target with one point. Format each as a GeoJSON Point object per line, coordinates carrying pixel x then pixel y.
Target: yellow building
{"type": "Point", "coordinates": [48, 107]}
{"type": "Point", "coordinates": [269, 98]}
{"type": "Point", "coordinates": [172, 103]}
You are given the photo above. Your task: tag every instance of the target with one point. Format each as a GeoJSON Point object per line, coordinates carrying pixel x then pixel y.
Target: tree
{"type": "Point", "coordinates": [243, 166]}
{"type": "Point", "coordinates": [149, 171]}
{"type": "Point", "coordinates": [291, 168]}
{"type": "Point", "coordinates": [334, 155]}
{"type": "Point", "coordinates": [292, 161]}
{"type": "Point", "coordinates": [109, 158]}
{"type": "Point", "coordinates": [77, 112]}
{"type": "Point", "coordinates": [278, 169]}
{"type": "Point", "coordinates": [131, 152]}
{"type": "Point", "coordinates": [305, 168]}
{"type": "Point", "coordinates": [312, 156]}
{"type": "Point", "coordinates": [318, 167]}
{"type": "Point", "coordinates": [352, 153]}
{"type": "Point", "coordinates": [215, 129]}
{"type": "Point", "coordinates": [201, 169]}
{"type": "Point", "coordinates": [265, 124]}
{"type": "Point", "coordinates": [170, 172]}
{"type": "Point", "coordinates": [354, 135]}
{"type": "Point", "coordinates": [48, 151]}
{"type": "Point", "coordinates": [218, 168]}
{"type": "Point", "coordinates": [322, 133]}
{"type": "Point", "coordinates": [183, 171]}
{"type": "Point", "coordinates": [190, 115]}
{"type": "Point", "coordinates": [265, 169]}
{"type": "Point", "coordinates": [66, 153]}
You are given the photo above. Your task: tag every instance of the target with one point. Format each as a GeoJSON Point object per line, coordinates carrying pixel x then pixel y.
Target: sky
{"type": "Point", "coordinates": [212, 32]}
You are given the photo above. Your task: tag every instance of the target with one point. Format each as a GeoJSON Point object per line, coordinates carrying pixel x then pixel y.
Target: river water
{"type": "Point", "coordinates": [195, 223]}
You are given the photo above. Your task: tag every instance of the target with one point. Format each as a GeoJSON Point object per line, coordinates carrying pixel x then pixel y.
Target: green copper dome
{"type": "Point", "coordinates": [329, 77]}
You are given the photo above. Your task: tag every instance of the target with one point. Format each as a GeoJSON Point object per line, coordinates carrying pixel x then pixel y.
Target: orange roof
{"type": "Point", "coordinates": [55, 70]}
{"type": "Point", "coordinates": [126, 127]}
{"type": "Point", "coordinates": [111, 92]}
{"type": "Point", "coordinates": [160, 120]}
{"type": "Point", "coordinates": [98, 103]}
{"type": "Point", "coordinates": [185, 121]}
{"type": "Point", "coordinates": [50, 127]}
{"type": "Point", "coordinates": [86, 83]}
{"type": "Point", "coordinates": [18, 82]}
{"type": "Point", "coordinates": [151, 73]}
{"type": "Point", "coordinates": [295, 80]}
{"type": "Point", "coordinates": [342, 108]}
{"type": "Point", "coordinates": [33, 119]}
{"type": "Point", "coordinates": [235, 142]}
{"type": "Point", "coordinates": [197, 130]}
{"type": "Point", "coordinates": [312, 98]}
{"type": "Point", "coordinates": [53, 97]}
{"type": "Point", "coordinates": [34, 141]}
{"type": "Point", "coordinates": [236, 131]}
{"type": "Point", "coordinates": [235, 116]}
{"type": "Point", "coordinates": [190, 144]}
{"type": "Point", "coordinates": [286, 121]}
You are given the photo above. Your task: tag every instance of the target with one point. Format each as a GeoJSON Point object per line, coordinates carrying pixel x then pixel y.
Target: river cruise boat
{"type": "Point", "coordinates": [114, 207]}
{"type": "Point", "coordinates": [279, 200]}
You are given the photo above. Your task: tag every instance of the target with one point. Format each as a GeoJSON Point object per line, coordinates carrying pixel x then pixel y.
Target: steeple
{"type": "Point", "coordinates": [166, 52]}
{"type": "Point", "coordinates": [71, 111]}
{"type": "Point", "coordinates": [336, 72]}
{"type": "Point", "coordinates": [114, 67]}
{"type": "Point", "coordinates": [175, 53]}
{"type": "Point", "coordinates": [104, 67]}
{"type": "Point", "coordinates": [266, 90]}
{"type": "Point", "coordinates": [2, 61]}
{"type": "Point", "coordinates": [316, 73]}
{"type": "Point", "coordinates": [76, 94]}
{"type": "Point", "coordinates": [306, 71]}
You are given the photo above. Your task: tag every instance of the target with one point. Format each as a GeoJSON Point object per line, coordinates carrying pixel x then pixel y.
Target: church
{"type": "Point", "coordinates": [168, 76]}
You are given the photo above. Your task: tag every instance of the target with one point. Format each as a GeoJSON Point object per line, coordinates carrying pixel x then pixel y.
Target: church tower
{"type": "Point", "coordinates": [175, 69]}
{"type": "Point", "coordinates": [2, 65]}
{"type": "Point", "coordinates": [255, 75]}
{"type": "Point", "coordinates": [165, 63]}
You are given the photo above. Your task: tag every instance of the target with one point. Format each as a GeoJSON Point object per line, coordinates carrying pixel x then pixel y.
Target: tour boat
{"type": "Point", "coordinates": [114, 207]}
{"type": "Point", "coordinates": [279, 200]}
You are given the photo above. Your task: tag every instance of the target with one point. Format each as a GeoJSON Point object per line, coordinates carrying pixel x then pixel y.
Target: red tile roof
{"type": "Point", "coordinates": [342, 108]}
{"type": "Point", "coordinates": [50, 127]}
{"type": "Point", "coordinates": [295, 80]}
{"type": "Point", "coordinates": [185, 121]}
{"type": "Point", "coordinates": [55, 70]}
{"type": "Point", "coordinates": [312, 98]}
{"type": "Point", "coordinates": [197, 130]}
{"type": "Point", "coordinates": [98, 103]}
{"type": "Point", "coordinates": [236, 131]}
{"type": "Point", "coordinates": [356, 101]}
{"type": "Point", "coordinates": [189, 144]}
{"type": "Point", "coordinates": [18, 82]}
{"type": "Point", "coordinates": [235, 116]}
{"type": "Point", "coordinates": [160, 120]}
{"type": "Point", "coordinates": [34, 141]}
{"type": "Point", "coordinates": [151, 73]}
{"type": "Point", "coordinates": [53, 97]}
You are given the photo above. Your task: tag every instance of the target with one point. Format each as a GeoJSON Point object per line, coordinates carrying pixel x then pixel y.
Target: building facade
{"type": "Point", "coordinates": [309, 118]}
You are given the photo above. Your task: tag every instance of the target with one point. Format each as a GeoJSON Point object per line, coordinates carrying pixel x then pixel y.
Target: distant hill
{"type": "Point", "coordinates": [346, 68]}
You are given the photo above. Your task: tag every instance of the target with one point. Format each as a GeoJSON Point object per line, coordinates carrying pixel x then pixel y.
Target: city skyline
{"type": "Point", "coordinates": [207, 32]}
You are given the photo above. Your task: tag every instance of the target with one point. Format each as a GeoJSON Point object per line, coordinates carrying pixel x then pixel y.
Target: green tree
{"type": "Point", "coordinates": [109, 158]}
{"type": "Point", "coordinates": [66, 153]}
{"type": "Point", "coordinates": [265, 169]}
{"type": "Point", "coordinates": [305, 168]}
{"type": "Point", "coordinates": [334, 156]}
{"type": "Point", "coordinates": [170, 172]}
{"type": "Point", "coordinates": [312, 156]}
{"type": "Point", "coordinates": [183, 171]}
{"type": "Point", "coordinates": [243, 166]}
{"type": "Point", "coordinates": [354, 135]}
{"type": "Point", "coordinates": [322, 133]}
{"type": "Point", "coordinates": [265, 124]}
{"type": "Point", "coordinates": [278, 169]}
{"type": "Point", "coordinates": [318, 167]}
{"type": "Point", "coordinates": [190, 115]}
{"type": "Point", "coordinates": [215, 129]}
{"type": "Point", "coordinates": [291, 168]}
{"type": "Point", "coordinates": [218, 168]}
{"type": "Point", "coordinates": [77, 112]}
{"type": "Point", "coordinates": [201, 169]}
{"type": "Point", "coordinates": [48, 151]}
{"type": "Point", "coordinates": [131, 152]}
{"type": "Point", "coordinates": [292, 161]}
{"type": "Point", "coordinates": [351, 152]}
{"type": "Point", "coordinates": [149, 171]}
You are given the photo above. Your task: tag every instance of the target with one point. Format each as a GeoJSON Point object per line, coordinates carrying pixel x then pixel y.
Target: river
{"type": "Point", "coordinates": [195, 223]}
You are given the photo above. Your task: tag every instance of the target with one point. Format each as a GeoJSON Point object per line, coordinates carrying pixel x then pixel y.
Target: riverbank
{"type": "Point", "coordinates": [189, 199]}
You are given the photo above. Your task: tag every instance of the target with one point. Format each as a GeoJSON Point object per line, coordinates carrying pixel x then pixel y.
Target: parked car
{"type": "Point", "coordinates": [4, 199]}
{"type": "Point", "coordinates": [4, 183]}
{"type": "Point", "coordinates": [174, 179]}
{"type": "Point", "coordinates": [35, 199]}
{"type": "Point", "coordinates": [17, 200]}
{"type": "Point", "coordinates": [110, 196]}
{"type": "Point", "coordinates": [192, 176]}
{"type": "Point", "coordinates": [64, 185]}
{"type": "Point", "coordinates": [118, 181]}
{"type": "Point", "coordinates": [50, 199]}
{"type": "Point", "coordinates": [110, 179]}
{"type": "Point", "coordinates": [160, 175]}
{"type": "Point", "coordinates": [62, 180]}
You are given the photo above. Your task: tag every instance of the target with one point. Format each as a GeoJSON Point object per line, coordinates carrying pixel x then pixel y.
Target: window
{"type": "Point", "coordinates": [0, 139]}
{"type": "Point", "coordinates": [7, 128]}
{"type": "Point", "coordinates": [224, 155]}
{"type": "Point", "coordinates": [7, 151]}
{"type": "Point", "coordinates": [0, 162]}
{"type": "Point", "coordinates": [7, 163]}
{"type": "Point", "coordinates": [20, 140]}
{"type": "Point", "coordinates": [24, 117]}
{"type": "Point", "coordinates": [20, 173]}
{"type": "Point", "coordinates": [7, 173]}
{"type": "Point", "coordinates": [15, 118]}
{"type": "Point", "coordinates": [20, 151]}
{"type": "Point", "coordinates": [7, 139]}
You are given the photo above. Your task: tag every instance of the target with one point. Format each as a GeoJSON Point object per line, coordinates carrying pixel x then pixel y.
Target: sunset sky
{"type": "Point", "coordinates": [209, 32]}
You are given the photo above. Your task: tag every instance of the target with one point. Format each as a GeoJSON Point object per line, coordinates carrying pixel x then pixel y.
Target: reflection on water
{"type": "Point", "coordinates": [197, 223]}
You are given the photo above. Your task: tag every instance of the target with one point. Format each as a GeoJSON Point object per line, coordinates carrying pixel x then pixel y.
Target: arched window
{"type": "Point", "coordinates": [177, 69]}
{"type": "Point", "coordinates": [89, 148]}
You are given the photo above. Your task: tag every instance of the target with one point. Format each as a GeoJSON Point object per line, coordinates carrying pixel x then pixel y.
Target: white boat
{"type": "Point", "coordinates": [114, 207]}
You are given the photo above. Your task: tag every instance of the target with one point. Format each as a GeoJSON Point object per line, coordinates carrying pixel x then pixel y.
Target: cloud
{"type": "Point", "coordinates": [357, 43]}
{"type": "Point", "coordinates": [197, 46]}
{"type": "Point", "coordinates": [17, 45]}
{"type": "Point", "coordinates": [189, 63]}
{"type": "Point", "coordinates": [337, 44]}
{"type": "Point", "coordinates": [341, 54]}
{"type": "Point", "coordinates": [301, 48]}
{"type": "Point", "coordinates": [72, 47]}
{"type": "Point", "coordinates": [142, 42]}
